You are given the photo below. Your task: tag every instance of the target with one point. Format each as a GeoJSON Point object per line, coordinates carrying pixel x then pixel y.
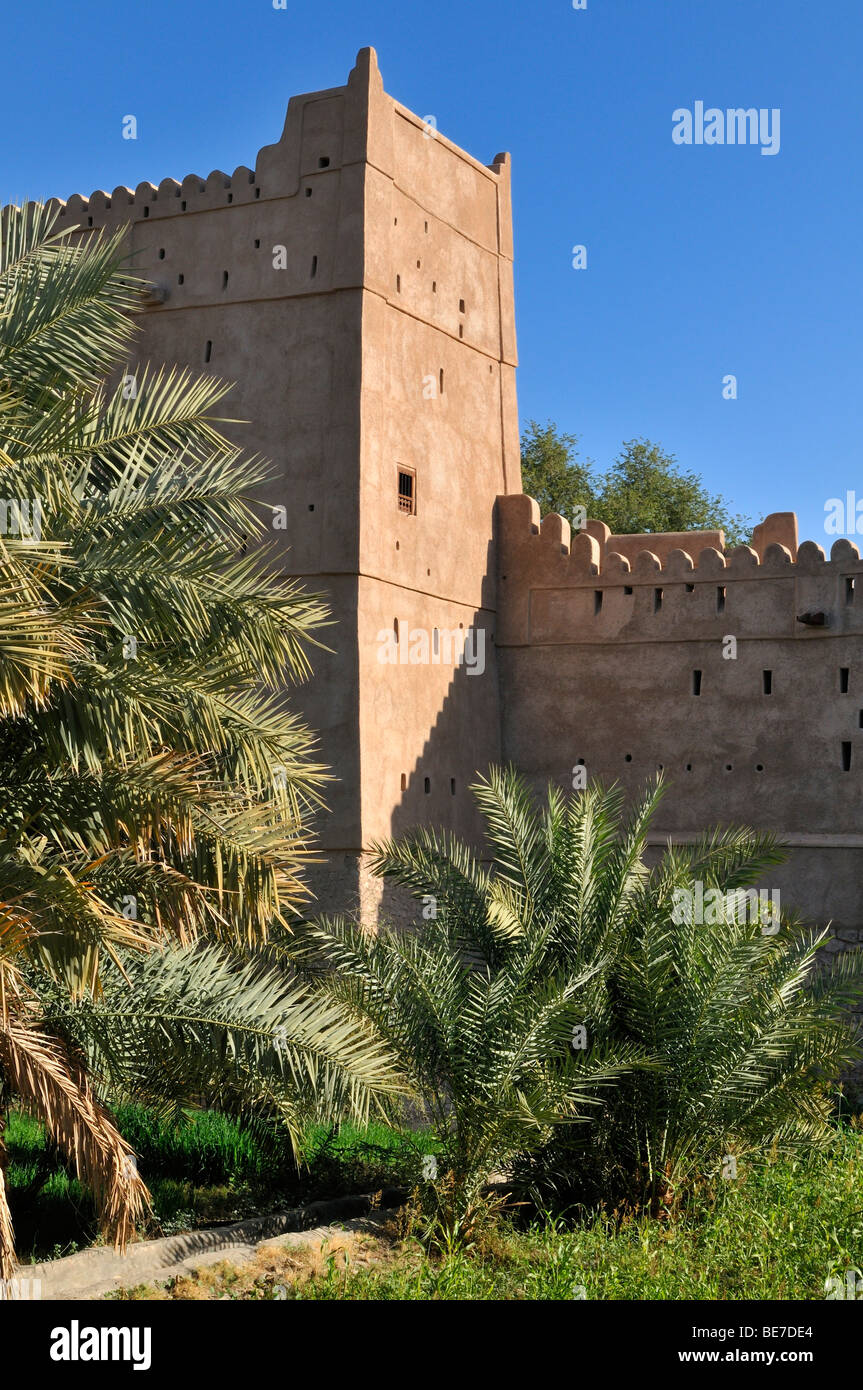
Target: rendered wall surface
{"type": "Point", "coordinates": [363, 258]}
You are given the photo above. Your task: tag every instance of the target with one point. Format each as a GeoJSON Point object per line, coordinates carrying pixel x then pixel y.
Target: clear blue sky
{"type": "Point", "coordinates": [702, 260]}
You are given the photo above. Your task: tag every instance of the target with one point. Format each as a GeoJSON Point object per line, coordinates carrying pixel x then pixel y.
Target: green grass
{"type": "Point", "coordinates": [207, 1169]}
{"type": "Point", "coordinates": [778, 1232]}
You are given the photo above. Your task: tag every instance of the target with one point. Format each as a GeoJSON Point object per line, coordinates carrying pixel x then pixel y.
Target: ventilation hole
{"type": "Point", "coordinates": [849, 588]}
{"type": "Point", "coordinates": [208, 351]}
{"type": "Point", "coordinates": [308, 193]}
{"type": "Point", "coordinates": [689, 767]}
{"type": "Point", "coordinates": [452, 786]}
{"type": "Point", "coordinates": [846, 757]}
{"type": "Point", "coordinates": [461, 306]}
{"type": "Point", "coordinates": [314, 266]}
{"type": "Point", "coordinates": [161, 253]}
{"type": "Point", "coordinates": [628, 758]}
{"type": "Point", "coordinates": [759, 767]}
{"type": "Point", "coordinates": [657, 600]}
{"type": "Point", "coordinates": [728, 767]}
{"type": "Point", "coordinates": [720, 599]}
{"type": "Point", "coordinates": [404, 781]}
{"type": "Point", "coordinates": [426, 785]}
{"type": "Point", "coordinates": [690, 588]}
{"type": "Point", "coordinates": [181, 279]}
{"type": "Point", "coordinates": [767, 682]}
{"type": "Point", "coordinates": [844, 673]}
{"type": "Point", "coordinates": [224, 279]}
{"type": "Point", "coordinates": [257, 243]}
{"type": "Point", "coordinates": [311, 506]}
{"type": "Point", "coordinates": [627, 588]}
{"type": "Point", "coordinates": [696, 682]}
{"type": "Point", "coordinates": [324, 162]}
{"type": "Point", "coordinates": [597, 602]}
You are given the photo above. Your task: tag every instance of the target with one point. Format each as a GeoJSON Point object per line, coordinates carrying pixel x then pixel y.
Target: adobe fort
{"type": "Point", "coordinates": [357, 286]}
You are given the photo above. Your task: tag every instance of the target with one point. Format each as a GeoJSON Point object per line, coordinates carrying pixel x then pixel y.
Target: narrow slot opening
{"type": "Point", "coordinates": [161, 253]}
{"type": "Point", "coordinates": [657, 600]}
{"type": "Point", "coordinates": [314, 266]}
{"type": "Point", "coordinates": [844, 673]}
{"type": "Point", "coordinates": [597, 602]}
{"type": "Point", "coordinates": [767, 682]}
{"type": "Point", "coordinates": [846, 757]}
{"type": "Point", "coordinates": [441, 380]}
{"type": "Point", "coordinates": [696, 682]}
{"type": "Point", "coordinates": [426, 785]}
{"type": "Point", "coordinates": [627, 588]}
{"type": "Point", "coordinates": [452, 786]}
{"type": "Point", "coordinates": [404, 781]}
{"type": "Point", "coordinates": [208, 351]}
{"type": "Point", "coordinates": [224, 279]}
{"type": "Point", "coordinates": [720, 599]}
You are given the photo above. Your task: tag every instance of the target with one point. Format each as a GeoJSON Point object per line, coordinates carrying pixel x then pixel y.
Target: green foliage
{"type": "Point", "coordinates": [643, 491]}
{"type": "Point", "coordinates": [480, 1005]}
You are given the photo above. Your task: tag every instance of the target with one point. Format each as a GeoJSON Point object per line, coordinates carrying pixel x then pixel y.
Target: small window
{"type": "Point", "coordinates": [452, 786]}
{"type": "Point", "coordinates": [161, 253]}
{"type": "Point", "coordinates": [404, 781]}
{"type": "Point", "coordinates": [597, 602]}
{"type": "Point", "coordinates": [257, 243]}
{"type": "Point", "coordinates": [767, 682]}
{"type": "Point", "coordinates": [461, 330]}
{"type": "Point", "coordinates": [461, 306]}
{"type": "Point", "coordinates": [720, 599]}
{"type": "Point", "coordinates": [627, 588]}
{"type": "Point", "coordinates": [657, 600]}
{"type": "Point", "coordinates": [324, 162]}
{"type": "Point", "coordinates": [314, 266]}
{"type": "Point", "coordinates": [257, 192]}
{"type": "Point", "coordinates": [407, 491]}
{"type": "Point", "coordinates": [696, 682]}
{"type": "Point", "coordinates": [846, 757]}
{"type": "Point", "coordinates": [208, 351]}
{"type": "Point", "coordinates": [849, 588]}
{"type": "Point", "coordinates": [844, 673]}
{"type": "Point", "coordinates": [434, 286]}
{"type": "Point", "coordinates": [308, 193]}
{"type": "Point", "coordinates": [224, 279]}
{"type": "Point", "coordinates": [146, 212]}
{"type": "Point", "coordinates": [690, 588]}
{"type": "Point", "coordinates": [180, 279]}
{"type": "Point", "coordinates": [426, 785]}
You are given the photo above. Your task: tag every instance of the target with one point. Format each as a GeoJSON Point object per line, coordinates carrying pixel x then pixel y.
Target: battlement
{"type": "Point", "coordinates": [557, 586]}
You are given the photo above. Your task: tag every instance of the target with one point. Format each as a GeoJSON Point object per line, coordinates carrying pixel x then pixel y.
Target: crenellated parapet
{"type": "Point", "coordinates": [560, 585]}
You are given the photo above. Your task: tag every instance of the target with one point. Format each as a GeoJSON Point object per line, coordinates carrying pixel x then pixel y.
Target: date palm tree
{"type": "Point", "coordinates": [156, 785]}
